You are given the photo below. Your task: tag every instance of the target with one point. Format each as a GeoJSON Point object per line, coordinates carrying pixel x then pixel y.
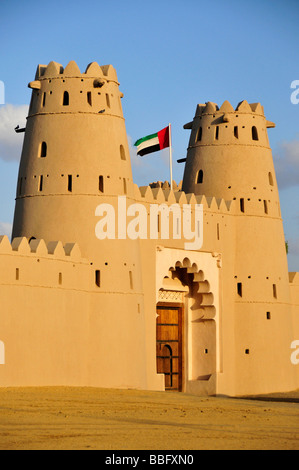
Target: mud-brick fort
{"type": "Point", "coordinates": [145, 313]}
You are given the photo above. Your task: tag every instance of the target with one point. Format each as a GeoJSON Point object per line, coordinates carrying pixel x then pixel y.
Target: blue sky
{"type": "Point", "coordinates": [169, 56]}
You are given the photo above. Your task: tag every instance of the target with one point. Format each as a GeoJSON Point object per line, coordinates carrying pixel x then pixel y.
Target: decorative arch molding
{"type": "Point", "coordinates": [201, 268]}
{"type": "Point", "coordinates": [196, 277]}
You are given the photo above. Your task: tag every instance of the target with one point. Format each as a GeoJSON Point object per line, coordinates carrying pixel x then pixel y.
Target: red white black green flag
{"type": "Point", "coordinates": [154, 142]}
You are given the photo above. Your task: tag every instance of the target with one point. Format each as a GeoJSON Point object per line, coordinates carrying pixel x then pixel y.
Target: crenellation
{"type": "Point", "coordinates": [94, 70]}
{"type": "Point", "coordinates": [34, 246]}
{"type": "Point", "coordinates": [53, 70]}
{"type": "Point", "coordinates": [72, 70]}
{"type": "Point", "coordinates": [72, 250]}
{"type": "Point", "coordinates": [21, 245]}
{"type": "Point", "coordinates": [56, 248]}
{"type": "Point", "coordinates": [226, 107]}
{"type": "Point", "coordinates": [5, 245]}
{"type": "Point", "coordinates": [38, 247]}
{"type": "Point", "coordinates": [158, 195]}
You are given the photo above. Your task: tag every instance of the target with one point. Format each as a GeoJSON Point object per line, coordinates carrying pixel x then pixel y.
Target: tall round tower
{"type": "Point", "coordinates": [75, 154]}
{"type": "Point", "coordinates": [229, 157]}
{"type": "Point", "coordinates": [76, 157]}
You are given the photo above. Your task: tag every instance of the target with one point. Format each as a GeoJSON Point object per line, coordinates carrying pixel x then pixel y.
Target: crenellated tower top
{"type": "Point", "coordinates": [246, 124]}
{"type": "Point", "coordinates": [229, 155]}
{"type": "Point", "coordinates": [59, 90]}
{"type": "Point", "coordinates": [75, 154]}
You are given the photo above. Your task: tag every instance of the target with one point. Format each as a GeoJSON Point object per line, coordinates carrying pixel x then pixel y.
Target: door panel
{"type": "Point", "coordinates": [169, 345]}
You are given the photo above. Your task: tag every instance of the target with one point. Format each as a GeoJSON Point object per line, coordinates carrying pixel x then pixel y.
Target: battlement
{"type": "Point", "coordinates": [244, 125]}
{"type": "Point", "coordinates": [226, 108]}
{"type": "Point", "coordinates": [164, 195]}
{"type": "Point", "coordinates": [58, 90]}
{"type": "Point", "coordinates": [56, 71]}
{"type": "Point", "coordinates": [53, 249]}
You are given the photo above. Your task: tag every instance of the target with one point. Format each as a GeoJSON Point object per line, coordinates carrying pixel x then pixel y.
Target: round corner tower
{"type": "Point", "coordinates": [75, 154]}
{"type": "Point", "coordinates": [229, 157]}
{"type": "Point", "coordinates": [76, 157]}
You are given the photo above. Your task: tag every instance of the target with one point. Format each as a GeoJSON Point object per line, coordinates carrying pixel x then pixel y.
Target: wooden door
{"type": "Point", "coordinates": [169, 345]}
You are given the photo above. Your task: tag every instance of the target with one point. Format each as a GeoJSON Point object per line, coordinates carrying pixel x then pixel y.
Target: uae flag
{"type": "Point", "coordinates": [153, 143]}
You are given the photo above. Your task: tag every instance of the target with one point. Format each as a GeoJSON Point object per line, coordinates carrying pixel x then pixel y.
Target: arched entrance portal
{"type": "Point", "coordinates": [186, 324]}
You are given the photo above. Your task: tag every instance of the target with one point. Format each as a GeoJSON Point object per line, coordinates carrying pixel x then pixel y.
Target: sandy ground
{"type": "Point", "coordinates": [65, 418]}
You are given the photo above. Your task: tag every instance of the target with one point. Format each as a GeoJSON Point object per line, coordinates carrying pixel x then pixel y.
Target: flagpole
{"type": "Point", "coordinates": [170, 156]}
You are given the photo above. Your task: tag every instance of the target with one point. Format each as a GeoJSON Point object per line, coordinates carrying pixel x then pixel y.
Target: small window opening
{"type": "Point", "coordinates": [242, 205]}
{"type": "Point", "coordinates": [218, 232]}
{"type": "Point", "coordinates": [247, 351]}
{"type": "Point", "coordinates": [122, 153]}
{"type": "Point", "coordinates": [254, 133]}
{"type": "Point", "coordinates": [265, 207]}
{"type": "Point", "coordinates": [108, 100]}
{"type": "Point", "coordinates": [66, 99]}
{"type": "Point", "coordinates": [125, 185]}
{"type": "Point", "coordinates": [41, 182]}
{"type": "Point", "coordinates": [131, 279]}
{"type": "Point", "coordinates": [217, 133]}
{"type": "Point", "coordinates": [60, 279]}
{"type": "Point", "coordinates": [268, 315]}
{"type": "Point", "coordinates": [89, 98]}
{"type": "Point", "coordinates": [17, 274]}
{"type": "Point", "coordinates": [274, 291]}
{"type": "Point", "coordinates": [199, 134]}
{"type": "Point", "coordinates": [236, 132]}
{"type": "Point", "coordinates": [271, 179]}
{"type": "Point", "coordinates": [206, 351]}
{"type": "Point", "coordinates": [43, 150]}
{"type": "Point", "coordinates": [101, 184]}
{"type": "Point", "coordinates": [240, 289]}
{"type": "Point", "coordinates": [199, 177]}
{"type": "Point", "coordinates": [98, 278]}
{"type": "Point", "coordinates": [70, 183]}
{"type": "Point", "coordinates": [44, 99]}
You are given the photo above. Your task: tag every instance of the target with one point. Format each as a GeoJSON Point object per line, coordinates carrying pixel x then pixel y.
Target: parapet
{"type": "Point", "coordinates": [164, 195]}
{"type": "Point", "coordinates": [59, 90]}
{"type": "Point", "coordinates": [226, 109]}
{"type": "Point", "coordinates": [54, 71]}
{"type": "Point", "coordinates": [53, 249]}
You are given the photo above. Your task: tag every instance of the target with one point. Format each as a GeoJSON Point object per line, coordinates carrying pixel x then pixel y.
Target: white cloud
{"type": "Point", "coordinates": [6, 229]}
{"type": "Point", "coordinates": [11, 143]}
{"type": "Point", "coordinates": [286, 161]}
